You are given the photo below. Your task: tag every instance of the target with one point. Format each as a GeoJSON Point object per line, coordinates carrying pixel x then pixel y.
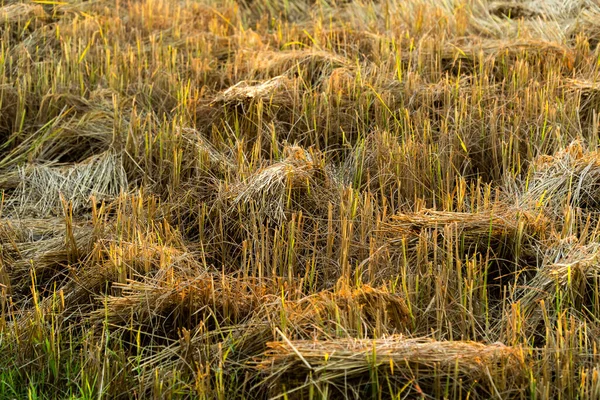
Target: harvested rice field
{"type": "Point", "coordinates": [299, 199]}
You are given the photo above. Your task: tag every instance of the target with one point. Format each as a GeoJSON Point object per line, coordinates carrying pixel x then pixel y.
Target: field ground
{"type": "Point", "coordinates": [299, 199]}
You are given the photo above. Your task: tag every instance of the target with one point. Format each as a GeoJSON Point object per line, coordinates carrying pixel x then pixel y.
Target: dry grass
{"type": "Point", "coordinates": [567, 179]}
{"type": "Point", "coordinates": [44, 190]}
{"type": "Point", "coordinates": [333, 364]}
{"type": "Point", "coordinates": [299, 199]}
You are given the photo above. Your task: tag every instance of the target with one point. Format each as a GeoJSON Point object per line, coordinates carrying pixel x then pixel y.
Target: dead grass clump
{"type": "Point", "coordinates": [512, 10]}
{"type": "Point", "coordinates": [13, 16]}
{"type": "Point", "coordinates": [194, 172]}
{"type": "Point", "coordinates": [299, 182]}
{"type": "Point", "coordinates": [104, 270]}
{"type": "Point", "coordinates": [73, 141]}
{"type": "Point", "coordinates": [519, 230]}
{"type": "Point", "coordinates": [465, 58]}
{"type": "Point", "coordinates": [58, 127]}
{"type": "Point", "coordinates": [21, 230]}
{"type": "Point", "coordinates": [184, 321]}
{"type": "Point", "coordinates": [53, 136]}
{"type": "Point", "coordinates": [504, 245]}
{"type": "Point", "coordinates": [273, 90]}
{"type": "Point", "coordinates": [570, 275]}
{"type": "Point", "coordinates": [312, 66]}
{"type": "Point", "coordinates": [359, 312]}
{"type": "Point", "coordinates": [570, 178]}
{"type": "Point", "coordinates": [268, 102]}
{"type": "Point", "coordinates": [494, 222]}
{"type": "Point", "coordinates": [362, 311]}
{"type": "Point", "coordinates": [207, 154]}
{"type": "Point", "coordinates": [44, 189]}
{"type": "Point", "coordinates": [588, 93]}
{"type": "Point", "coordinates": [162, 307]}
{"type": "Point", "coordinates": [15, 234]}
{"type": "Point", "coordinates": [406, 363]}
{"type": "Point", "coordinates": [588, 26]}
{"type": "Point", "coordinates": [42, 260]}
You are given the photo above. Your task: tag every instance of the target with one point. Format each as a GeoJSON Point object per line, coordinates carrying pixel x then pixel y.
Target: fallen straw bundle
{"type": "Point", "coordinates": [44, 257]}
{"type": "Point", "coordinates": [17, 230]}
{"type": "Point", "coordinates": [569, 178]}
{"type": "Point", "coordinates": [371, 311]}
{"type": "Point", "coordinates": [276, 89]}
{"type": "Point", "coordinates": [407, 361]}
{"type": "Point", "coordinates": [510, 231]}
{"type": "Point", "coordinates": [498, 248]}
{"type": "Point", "coordinates": [16, 12]}
{"type": "Point", "coordinates": [572, 272]}
{"type": "Point", "coordinates": [492, 222]}
{"type": "Point", "coordinates": [184, 302]}
{"type": "Point", "coordinates": [43, 188]}
{"type": "Point", "coordinates": [312, 66]}
{"type": "Point", "coordinates": [181, 303]}
{"type": "Point", "coordinates": [297, 180]}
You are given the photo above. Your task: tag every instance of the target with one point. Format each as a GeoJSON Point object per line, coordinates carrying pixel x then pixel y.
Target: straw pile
{"type": "Point", "coordinates": [571, 271]}
{"type": "Point", "coordinates": [45, 190]}
{"type": "Point", "coordinates": [570, 178]}
{"type": "Point", "coordinates": [298, 182]}
{"type": "Point", "coordinates": [306, 363]}
{"type": "Point", "coordinates": [163, 303]}
{"type": "Point", "coordinates": [45, 256]}
{"type": "Point", "coordinates": [513, 232]}
{"type": "Point", "coordinates": [274, 89]}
